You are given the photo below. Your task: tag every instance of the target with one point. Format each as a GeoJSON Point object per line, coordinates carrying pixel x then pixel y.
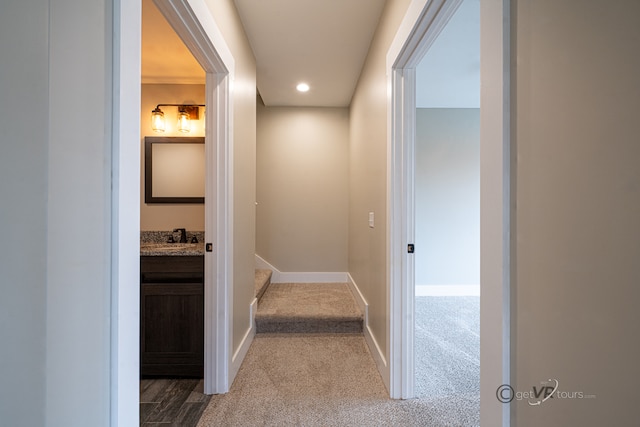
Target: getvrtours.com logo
{"type": "Point", "coordinates": [539, 394]}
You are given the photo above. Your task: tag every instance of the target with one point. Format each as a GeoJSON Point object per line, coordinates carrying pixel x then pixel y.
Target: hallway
{"type": "Point", "coordinates": [321, 380]}
{"type": "Point", "coordinates": [309, 365]}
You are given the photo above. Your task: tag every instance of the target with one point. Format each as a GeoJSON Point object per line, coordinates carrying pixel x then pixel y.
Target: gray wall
{"type": "Point", "coordinates": [447, 196]}
{"type": "Point", "coordinates": [244, 165]}
{"type": "Point", "coordinates": [55, 210]}
{"type": "Point", "coordinates": [368, 175]}
{"type": "Point", "coordinates": [577, 209]}
{"type": "Point", "coordinates": [302, 188]}
{"type": "Point", "coordinates": [23, 212]}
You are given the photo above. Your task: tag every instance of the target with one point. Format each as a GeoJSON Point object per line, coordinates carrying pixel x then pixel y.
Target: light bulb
{"type": "Point", "coordinates": [157, 120]}
{"type": "Point", "coordinates": [183, 122]}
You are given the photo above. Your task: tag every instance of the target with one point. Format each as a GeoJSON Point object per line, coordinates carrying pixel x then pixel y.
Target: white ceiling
{"type": "Point", "coordinates": [323, 43]}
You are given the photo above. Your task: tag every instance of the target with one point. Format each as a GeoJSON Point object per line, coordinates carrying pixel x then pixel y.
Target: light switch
{"type": "Point", "coordinates": [371, 219]}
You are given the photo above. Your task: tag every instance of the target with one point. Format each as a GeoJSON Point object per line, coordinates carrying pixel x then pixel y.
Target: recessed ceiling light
{"type": "Point", "coordinates": [302, 87]}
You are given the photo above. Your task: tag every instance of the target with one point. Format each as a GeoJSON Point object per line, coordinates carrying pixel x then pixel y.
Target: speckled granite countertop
{"type": "Point", "coordinates": [154, 243]}
{"type": "Point", "coordinates": [173, 249]}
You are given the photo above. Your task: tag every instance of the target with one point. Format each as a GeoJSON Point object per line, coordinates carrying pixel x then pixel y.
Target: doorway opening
{"type": "Point", "coordinates": [172, 131]}
{"type": "Point", "coordinates": [216, 60]}
{"type": "Point", "coordinates": [421, 26]}
{"type": "Point", "coordinates": [447, 219]}
{"type": "Point", "coordinates": [193, 23]}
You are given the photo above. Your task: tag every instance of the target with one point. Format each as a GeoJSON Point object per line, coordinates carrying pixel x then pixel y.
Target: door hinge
{"type": "Point", "coordinates": [411, 248]}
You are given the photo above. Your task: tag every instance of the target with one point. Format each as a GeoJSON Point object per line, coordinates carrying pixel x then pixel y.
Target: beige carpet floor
{"type": "Point", "coordinates": [308, 307]}
{"type": "Point", "coordinates": [323, 380]}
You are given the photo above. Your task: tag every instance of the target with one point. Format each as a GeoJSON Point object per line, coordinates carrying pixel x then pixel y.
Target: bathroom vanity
{"type": "Point", "coordinates": [172, 310]}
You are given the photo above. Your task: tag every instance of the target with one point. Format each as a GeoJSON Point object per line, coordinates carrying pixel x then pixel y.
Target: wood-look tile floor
{"type": "Point", "coordinates": [171, 402]}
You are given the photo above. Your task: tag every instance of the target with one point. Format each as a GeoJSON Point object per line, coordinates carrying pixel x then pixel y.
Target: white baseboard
{"type": "Point", "coordinates": [262, 264]}
{"type": "Point", "coordinates": [240, 354]}
{"type": "Point", "coordinates": [447, 290]}
{"type": "Point", "coordinates": [311, 277]}
{"type": "Point", "coordinates": [362, 303]}
{"type": "Point", "coordinates": [278, 276]}
{"type": "Point", "coordinates": [372, 343]}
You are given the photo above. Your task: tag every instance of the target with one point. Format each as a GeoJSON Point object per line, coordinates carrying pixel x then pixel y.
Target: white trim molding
{"type": "Point", "coordinates": [497, 170]}
{"type": "Point", "coordinates": [261, 263]}
{"type": "Point", "coordinates": [125, 214]}
{"type": "Point", "coordinates": [447, 290]}
{"type": "Point", "coordinates": [194, 24]}
{"type": "Point", "coordinates": [372, 343]}
{"type": "Point", "coordinates": [421, 25]}
{"type": "Point", "coordinates": [311, 277]}
{"type": "Point", "coordinates": [278, 276]}
{"type": "Point", "coordinates": [400, 308]}
{"type": "Point", "coordinates": [242, 350]}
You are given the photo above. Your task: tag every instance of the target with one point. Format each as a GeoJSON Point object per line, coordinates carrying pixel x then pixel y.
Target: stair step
{"type": "Point", "coordinates": [308, 308]}
{"type": "Point", "coordinates": [263, 280]}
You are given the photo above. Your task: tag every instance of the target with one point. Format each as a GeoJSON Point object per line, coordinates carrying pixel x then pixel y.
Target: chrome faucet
{"type": "Point", "coordinates": [183, 234]}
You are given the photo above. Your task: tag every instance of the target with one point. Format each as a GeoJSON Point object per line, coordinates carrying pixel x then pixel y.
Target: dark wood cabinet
{"type": "Point", "coordinates": [172, 316]}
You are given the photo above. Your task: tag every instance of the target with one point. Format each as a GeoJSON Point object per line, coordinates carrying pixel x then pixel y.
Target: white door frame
{"type": "Point", "coordinates": [192, 21]}
{"type": "Point", "coordinates": [125, 214]}
{"type": "Point", "coordinates": [420, 27]}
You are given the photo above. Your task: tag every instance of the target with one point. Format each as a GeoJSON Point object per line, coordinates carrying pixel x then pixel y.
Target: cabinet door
{"type": "Point", "coordinates": [172, 329]}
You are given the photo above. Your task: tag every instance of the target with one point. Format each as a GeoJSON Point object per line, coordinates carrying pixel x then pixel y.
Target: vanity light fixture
{"type": "Point", "coordinates": [186, 113]}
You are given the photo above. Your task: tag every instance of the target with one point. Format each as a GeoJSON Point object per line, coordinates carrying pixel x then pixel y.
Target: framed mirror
{"type": "Point", "coordinates": [174, 169]}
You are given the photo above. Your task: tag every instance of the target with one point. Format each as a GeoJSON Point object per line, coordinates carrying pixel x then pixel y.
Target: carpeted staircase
{"type": "Point", "coordinates": [305, 307]}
